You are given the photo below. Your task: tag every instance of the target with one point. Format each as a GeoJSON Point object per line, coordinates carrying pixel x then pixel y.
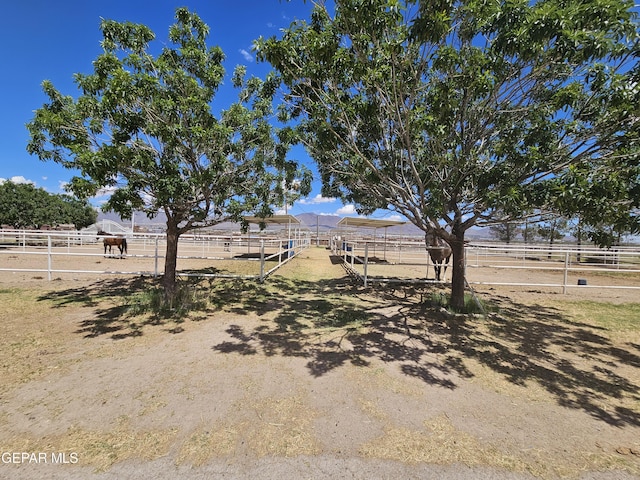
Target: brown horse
{"type": "Point", "coordinates": [439, 251]}
{"type": "Point", "coordinates": [111, 241]}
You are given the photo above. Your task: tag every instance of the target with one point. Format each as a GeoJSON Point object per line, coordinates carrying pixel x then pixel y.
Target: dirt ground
{"type": "Point", "coordinates": [312, 376]}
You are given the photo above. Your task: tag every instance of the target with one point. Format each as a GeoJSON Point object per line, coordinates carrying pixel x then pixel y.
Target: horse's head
{"type": "Point", "coordinates": [431, 239]}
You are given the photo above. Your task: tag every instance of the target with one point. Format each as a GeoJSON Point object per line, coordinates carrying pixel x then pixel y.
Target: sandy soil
{"type": "Point", "coordinates": [310, 376]}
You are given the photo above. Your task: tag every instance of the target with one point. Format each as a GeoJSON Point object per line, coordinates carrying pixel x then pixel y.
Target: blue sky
{"type": "Point", "coordinates": [52, 40]}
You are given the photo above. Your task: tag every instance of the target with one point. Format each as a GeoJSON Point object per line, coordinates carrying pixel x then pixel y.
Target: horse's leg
{"type": "Point", "coordinates": [437, 267]}
{"type": "Point", "coordinates": [446, 264]}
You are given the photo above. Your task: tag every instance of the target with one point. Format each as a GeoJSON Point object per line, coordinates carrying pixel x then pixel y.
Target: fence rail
{"type": "Point", "coordinates": [493, 264]}
{"type": "Point", "coordinates": [76, 252]}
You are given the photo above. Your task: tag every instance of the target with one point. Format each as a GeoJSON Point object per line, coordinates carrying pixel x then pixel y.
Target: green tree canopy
{"type": "Point", "coordinates": [143, 127]}
{"type": "Point", "coordinates": [450, 112]}
{"type": "Point", "coordinates": [22, 205]}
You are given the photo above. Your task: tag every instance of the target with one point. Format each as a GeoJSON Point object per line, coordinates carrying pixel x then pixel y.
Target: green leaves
{"type": "Point", "coordinates": [143, 126]}
{"type": "Point", "coordinates": [125, 36]}
{"type": "Point", "coordinates": [25, 206]}
{"type": "Point", "coordinates": [448, 111]}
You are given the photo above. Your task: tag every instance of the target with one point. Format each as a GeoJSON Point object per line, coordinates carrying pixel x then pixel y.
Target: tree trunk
{"type": "Point", "coordinates": [170, 262]}
{"type": "Point", "coordinates": [458, 275]}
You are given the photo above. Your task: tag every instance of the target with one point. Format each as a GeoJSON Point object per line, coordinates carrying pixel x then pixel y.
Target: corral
{"type": "Point", "coordinates": [258, 254]}
{"type": "Point", "coordinates": [252, 255]}
{"type": "Point", "coordinates": [312, 375]}
{"type": "Point", "coordinates": [562, 267]}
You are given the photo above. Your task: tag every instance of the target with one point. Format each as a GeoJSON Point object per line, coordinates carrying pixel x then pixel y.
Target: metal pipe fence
{"type": "Point", "coordinates": [76, 252]}
{"type": "Point", "coordinates": [562, 267]}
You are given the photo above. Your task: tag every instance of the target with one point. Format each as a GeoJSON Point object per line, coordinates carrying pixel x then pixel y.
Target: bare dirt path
{"type": "Point", "coordinates": [310, 376]}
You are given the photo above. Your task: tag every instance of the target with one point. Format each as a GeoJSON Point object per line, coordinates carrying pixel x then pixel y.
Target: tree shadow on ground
{"type": "Point", "coordinates": [576, 362]}
{"type": "Point", "coordinates": [123, 307]}
{"type": "Point", "coordinates": [333, 322]}
{"type": "Point", "coordinates": [328, 322]}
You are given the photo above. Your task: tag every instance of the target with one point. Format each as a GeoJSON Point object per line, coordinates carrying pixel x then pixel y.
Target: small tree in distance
{"type": "Point", "coordinates": [143, 127]}
{"type": "Point", "coordinates": [506, 231]}
{"type": "Point", "coordinates": [22, 205]}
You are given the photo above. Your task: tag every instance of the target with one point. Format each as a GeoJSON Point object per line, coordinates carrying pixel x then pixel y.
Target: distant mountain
{"type": "Point", "coordinates": [312, 221]}
{"type": "Point", "coordinates": [323, 222]}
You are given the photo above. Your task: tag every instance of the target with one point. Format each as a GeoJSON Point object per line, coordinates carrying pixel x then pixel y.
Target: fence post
{"type": "Point", "coordinates": [49, 257]}
{"type": "Point", "coordinates": [262, 261]}
{"type": "Point", "coordinates": [428, 262]}
{"type": "Point", "coordinates": [566, 272]}
{"type": "Point", "coordinates": [366, 262]}
{"type": "Point", "coordinates": [353, 252]}
{"type": "Point", "coordinates": [155, 274]}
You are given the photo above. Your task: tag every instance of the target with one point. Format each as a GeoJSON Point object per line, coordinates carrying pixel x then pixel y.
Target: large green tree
{"type": "Point", "coordinates": [143, 127]}
{"type": "Point", "coordinates": [452, 111]}
{"type": "Point", "coordinates": [22, 205]}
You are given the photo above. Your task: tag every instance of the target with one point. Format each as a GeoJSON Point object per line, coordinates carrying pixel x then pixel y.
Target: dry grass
{"type": "Point", "coordinates": [302, 313]}
{"type": "Point", "coordinates": [101, 448]}
{"type": "Point", "coordinates": [620, 320]}
{"type": "Point", "coordinates": [32, 342]}
{"type": "Point", "coordinates": [284, 427]}
{"type": "Point", "coordinates": [269, 427]}
{"type": "Point", "coordinates": [438, 443]}
{"type": "Point", "coordinates": [207, 442]}
{"type": "Point", "coordinates": [441, 443]}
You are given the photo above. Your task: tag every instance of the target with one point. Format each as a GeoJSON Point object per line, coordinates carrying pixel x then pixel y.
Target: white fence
{"type": "Point", "coordinates": [246, 256]}
{"type": "Point", "coordinates": [562, 266]}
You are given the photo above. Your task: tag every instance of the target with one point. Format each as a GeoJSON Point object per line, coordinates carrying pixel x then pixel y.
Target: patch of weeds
{"type": "Point", "coordinates": [613, 317]}
{"type": "Point", "coordinates": [348, 318]}
{"type": "Point", "coordinates": [438, 299]}
{"type": "Point", "coordinates": [472, 304]}
{"type": "Point", "coordinates": [188, 299]}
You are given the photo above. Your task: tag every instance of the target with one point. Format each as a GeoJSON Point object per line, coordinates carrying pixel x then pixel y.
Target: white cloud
{"type": "Point", "coordinates": [316, 200]}
{"type": "Point", "coordinates": [346, 210]}
{"type": "Point", "coordinates": [104, 192]}
{"type": "Point", "coordinates": [283, 210]}
{"type": "Point", "coordinates": [18, 179]}
{"type": "Point", "coordinates": [395, 218]}
{"type": "Point", "coordinates": [247, 56]}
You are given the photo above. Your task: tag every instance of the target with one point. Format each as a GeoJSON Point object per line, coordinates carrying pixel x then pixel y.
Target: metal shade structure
{"type": "Point", "coordinates": [360, 222]}
{"type": "Point", "coordinates": [285, 220]}
{"type": "Point", "coordinates": [368, 222]}
{"type": "Point", "coordinates": [274, 219]}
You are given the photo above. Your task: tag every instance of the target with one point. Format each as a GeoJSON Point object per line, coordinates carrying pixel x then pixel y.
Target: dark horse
{"type": "Point", "coordinates": [111, 241]}
{"type": "Point", "coordinates": [440, 253]}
